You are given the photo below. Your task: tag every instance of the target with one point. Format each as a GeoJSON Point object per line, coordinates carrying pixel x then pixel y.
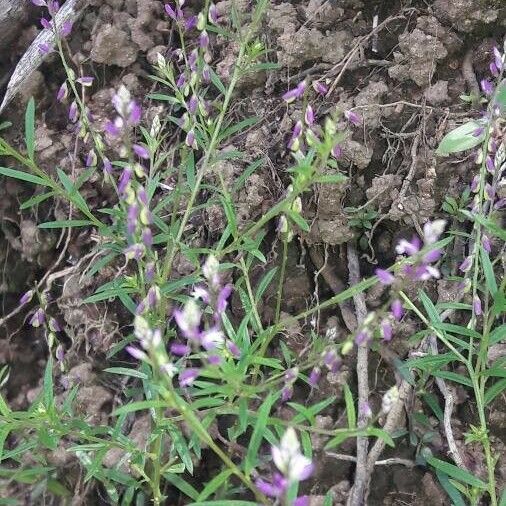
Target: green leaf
{"type": "Point", "coordinates": [453, 376]}
{"type": "Point", "coordinates": [457, 473]}
{"type": "Point", "coordinates": [494, 391]}
{"type": "Point", "coordinates": [48, 384]}
{"type": "Point", "coordinates": [330, 179]}
{"type": "Point", "coordinates": [66, 224]}
{"type": "Point", "coordinates": [381, 434]}
{"type": "Point", "coordinates": [245, 123]}
{"type": "Point", "coordinates": [351, 414]}
{"type": "Point", "coordinates": [258, 433]}
{"type": "Point", "coordinates": [265, 282]}
{"type": "Point", "coordinates": [37, 199]}
{"type": "Point", "coordinates": [298, 219]}
{"type": "Point", "coordinates": [461, 138]}
{"type": "Point", "coordinates": [500, 97]}
{"type": "Point", "coordinates": [450, 489]}
{"type": "Point", "coordinates": [502, 501]}
{"type": "Point", "coordinates": [488, 270]}
{"type": "Point", "coordinates": [497, 335]}
{"type": "Point", "coordinates": [217, 82]}
{"type": "Point", "coordinates": [139, 406]}
{"type": "Point", "coordinates": [72, 191]}
{"type": "Point", "coordinates": [23, 176]}
{"type": "Point", "coordinates": [215, 484]}
{"type": "Point", "coordinates": [125, 371]}
{"type": "Point", "coordinates": [30, 128]}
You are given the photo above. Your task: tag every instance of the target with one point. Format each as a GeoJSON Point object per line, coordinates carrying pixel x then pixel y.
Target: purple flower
{"type": "Point", "coordinates": [309, 116]}
{"type": "Point", "coordinates": [385, 277]}
{"type": "Point", "coordinates": [59, 353]}
{"type": "Point", "coordinates": [286, 393]}
{"type": "Point", "coordinates": [331, 360]}
{"type": "Point", "coordinates": [223, 295]}
{"type": "Point", "coordinates": [141, 151]}
{"type": "Point", "coordinates": [364, 409]}
{"type": "Point", "coordinates": [337, 151]}
{"type": "Point", "coordinates": [54, 325]}
{"type": "Point", "coordinates": [477, 306]}
{"type": "Point", "coordinates": [124, 180]}
{"type": "Point", "coordinates": [153, 297]}
{"type": "Point", "coordinates": [498, 58]}
{"type": "Point", "coordinates": [26, 297]}
{"type": "Point", "coordinates": [234, 349]}
{"type": "Point", "coordinates": [191, 23]}
{"type": "Point", "coordinates": [174, 14]}
{"type": "Point", "coordinates": [314, 377]}
{"type": "Point", "coordinates": [275, 489]}
{"type": "Point", "coordinates": [134, 252]}
{"type": "Point", "coordinates": [73, 112]}
{"type": "Point", "coordinates": [53, 7]}
{"type": "Point", "coordinates": [204, 39]}
{"type": "Point", "coordinates": [45, 23]}
{"type": "Point", "coordinates": [288, 458]}
{"type": "Point", "coordinates": [66, 28]}
{"type": "Point", "coordinates": [362, 337]}
{"type": "Point", "coordinates": [489, 191]}
{"type": "Point", "coordinates": [188, 320]}
{"type": "Point", "coordinates": [475, 184]}
{"type": "Point", "coordinates": [320, 88]}
{"type": "Point", "coordinates": [193, 104]}
{"type": "Point", "coordinates": [295, 93]}
{"type": "Point", "coordinates": [432, 230]}
{"type": "Point", "coordinates": [489, 162]}
{"type": "Point", "coordinates": [179, 349]}
{"type": "Point", "coordinates": [485, 242]}
{"type": "Point", "coordinates": [147, 237]}
{"type": "Point", "coordinates": [181, 80]}
{"type": "Point", "coordinates": [132, 216]}
{"type": "Point", "coordinates": [303, 500]}
{"type": "Point", "coordinates": [91, 159]}
{"type": "Point", "coordinates": [386, 330]}
{"type": "Point", "coordinates": [466, 264]}
{"type": "Point", "coordinates": [39, 3]}
{"type": "Point", "coordinates": [137, 354]}
{"type": "Point", "coordinates": [135, 113]}
{"type": "Point", "coordinates": [212, 15]}
{"type": "Point", "coordinates": [150, 272]}
{"type": "Point", "coordinates": [188, 376]}
{"type": "Point", "coordinates": [107, 167]}
{"type": "Point", "coordinates": [190, 140]}
{"type": "Point", "coordinates": [397, 309]}
{"type": "Point", "coordinates": [38, 318]}
{"type": "Point", "coordinates": [212, 338]}
{"type": "Point", "coordinates": [486, 87]}
{"type": "Point", "coordinates": [63, 92]}
{"type": "Point", "coordinates": [44, 48]}
{"type": "Point", "coordinates": [493, 69]}
{"type": "Point", "coordinates": [85, 81]}
{"type": "Point", "coordinates": [353, 118]}
{"type": "Point", "coordinates": [409, 248]}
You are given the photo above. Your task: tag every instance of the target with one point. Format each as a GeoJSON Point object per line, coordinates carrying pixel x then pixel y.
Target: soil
{"type": "Point", "coordinates": [426, 54]}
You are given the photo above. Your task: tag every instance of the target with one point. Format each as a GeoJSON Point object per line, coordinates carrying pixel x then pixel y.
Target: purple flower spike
{"type": "Point", "coordinates": [171, 12]}
{"type": "Point", "coordinates": [141, 151]}
{"type": "Point", "coordinates": [477, 306]}
{"type": "Point", "coordinates": [397, 309]}
{"type": "Point", "coordinates": [385, 277]}
{"type": "Point", "coordinates": [188, 376]}
{"type": "Point", "coordinates": [486, 87]}
{"type": "Point", "coordinates": [320, 88]}
{"type": "Point", "coordinates": [353, 118]}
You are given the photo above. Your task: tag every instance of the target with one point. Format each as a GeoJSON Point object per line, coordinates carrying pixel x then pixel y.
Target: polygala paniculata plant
{"type": "Point", "coordinates": [208, 378]}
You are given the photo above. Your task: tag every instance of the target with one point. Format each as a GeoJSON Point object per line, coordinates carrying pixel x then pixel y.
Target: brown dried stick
{"type": "Point", "coordinates": [357, 494]}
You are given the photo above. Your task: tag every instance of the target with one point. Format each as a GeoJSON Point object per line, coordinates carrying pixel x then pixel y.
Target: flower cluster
{"type": "Point", "coordinates": [292, 465]}
{"type": "Point", "coordinates": [61, 32]}
{"type": "Point", "coordinates": [200, 332]}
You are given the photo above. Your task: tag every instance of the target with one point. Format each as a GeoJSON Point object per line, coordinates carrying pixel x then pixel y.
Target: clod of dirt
{"type": "Point", "coordinates": [468, 15]}
{"type": "Point", "coordinates": [420, 50]}
{"type": "Point", "coordinates": [437, 94]}
{"type": "Point", "coordinates": [370, 95]}
{"type": "Point", "coordinates": [112, 46]}
{"type": "Point", "coordinates": [322, 14]}
{"type": "Point", "coordinates": [308, 45]}
{"type": "Point", "coordinates": [138, 435]}
{"type": "Point", "coordinates": [384, 189]}
{"type": "Point", "coordinates": [282, 18]}
{"type": "Point", "coordinates": [359, 155]}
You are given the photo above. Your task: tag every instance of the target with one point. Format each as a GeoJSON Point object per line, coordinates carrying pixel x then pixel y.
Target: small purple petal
{"type": "Point", "coordinates": [386, 330]}
{"type": "Point", "coordinates": [26, 297]}
{"type": "Point", "coordinates": [45, 23]}
{"type": "Point", "coordinates": [337, 151]}
{"type": "Point", "coordinates": [353, 118]}
{"type": "Point", "coordinates": [191, 23]}
{"type": "Point", "coordinates": [124, 180]}
{"type": "Point", "coordinates": [179, 349]}
{"type": "Point", "coordinates": [188, 376]}
{"type": "Point", "coordinates": [466, 264]}
{"type": "Point", "coordinates": [477, 306]}
{"type": "Point", "coordinates": [485, 242]}
{"type": "Point", "coordinates": [385, 277]}
{"type": "Point", "coordinates": [66, 28]}
{"type": "Point", "coordinates": [320, 88]}
{"type": "Point", "coordinates": [141, 151]}
{"type": "Point", "coordinates": [314, 377]}
{"type": "Point", "coordinates": [85, 80]}
{"type": "Point", "coordinates": [135, 113]}
{"type": "Point", "coordinates": [221, 303]}
{"type": "Point", "coordinates": [397, 309]}
{"type": "Point", "coordinates": [39, 3]}
{"type": "Point", "coordinates": [486, 87]}
{"type": "Point", "coordinates": [147, 237]}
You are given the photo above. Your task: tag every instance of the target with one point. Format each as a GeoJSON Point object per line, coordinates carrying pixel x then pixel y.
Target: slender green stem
{"type": "Point", "coordinates": [281, 280]}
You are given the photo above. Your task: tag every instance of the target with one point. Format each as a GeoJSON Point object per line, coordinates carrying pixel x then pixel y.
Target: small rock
{"type": "Point", "coordinates": [437, 94]}
{"type": "Point", "coordinates": [112, 46]}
